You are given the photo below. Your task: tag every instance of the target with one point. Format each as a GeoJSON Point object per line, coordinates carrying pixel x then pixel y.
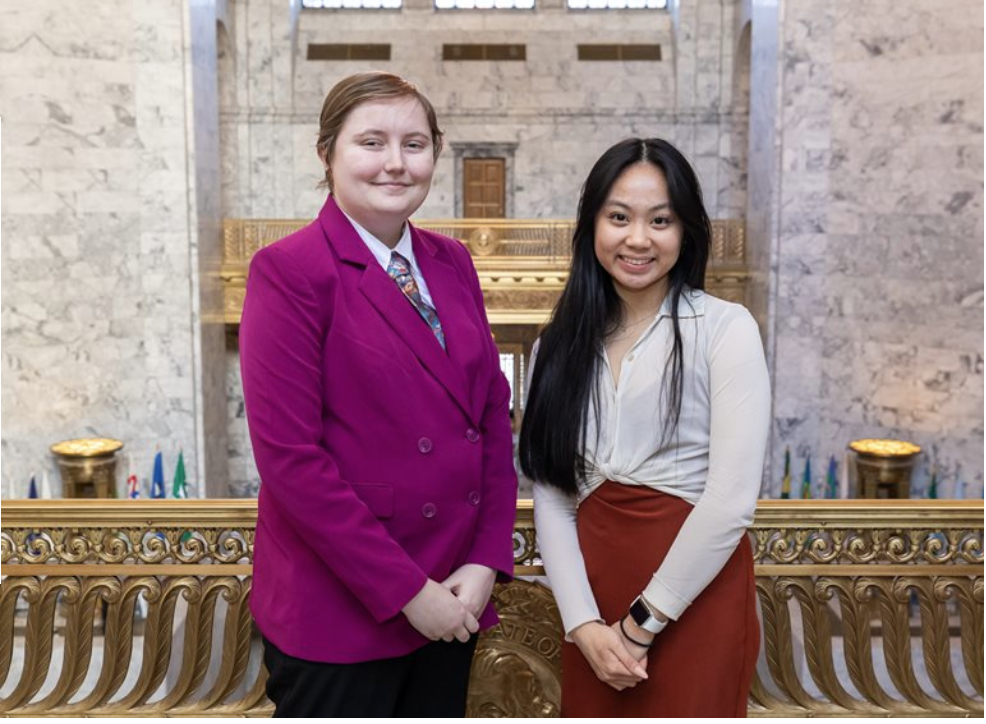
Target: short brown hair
{"type": "Point", "coordinates": [374, 85]}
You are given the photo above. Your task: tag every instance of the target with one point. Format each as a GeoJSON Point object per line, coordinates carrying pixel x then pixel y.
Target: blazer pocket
{"type": "Point", "coordinates": [378, 497]}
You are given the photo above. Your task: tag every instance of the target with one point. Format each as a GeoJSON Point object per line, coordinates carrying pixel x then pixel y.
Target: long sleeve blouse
{"type": "Point", "coordinates": [714, 461]}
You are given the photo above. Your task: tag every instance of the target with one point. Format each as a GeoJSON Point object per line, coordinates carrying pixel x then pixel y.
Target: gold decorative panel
{"type": "Point", "coordinates": [869, 608]}
{"type": "Point", "coordinates": [522, 264]}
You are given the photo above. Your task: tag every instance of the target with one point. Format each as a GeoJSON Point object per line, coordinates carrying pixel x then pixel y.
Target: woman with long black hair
{"type": "Point", "coordinates": [645, 431]}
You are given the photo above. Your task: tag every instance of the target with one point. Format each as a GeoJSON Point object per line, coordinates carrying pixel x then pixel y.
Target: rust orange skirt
{"type": "Point", "coordinates": [700, 665]}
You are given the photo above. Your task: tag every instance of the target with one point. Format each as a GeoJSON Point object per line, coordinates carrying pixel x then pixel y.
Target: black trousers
{"type": "Point", "coordinates": [432, 681]}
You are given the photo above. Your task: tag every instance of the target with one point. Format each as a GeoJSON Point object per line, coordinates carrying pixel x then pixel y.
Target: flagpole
{"type": "Point", "coordinates": [844, 480]}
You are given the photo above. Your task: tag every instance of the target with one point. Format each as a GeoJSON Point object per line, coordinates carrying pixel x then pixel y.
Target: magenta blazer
{"type": "Point", "coordinates": [384, 461]}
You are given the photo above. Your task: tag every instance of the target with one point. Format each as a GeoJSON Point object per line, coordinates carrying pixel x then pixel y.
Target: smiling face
{"type": "Point", "coordinates": [638, 236]}
{"type": "Point", "coordinates": [382, 163]}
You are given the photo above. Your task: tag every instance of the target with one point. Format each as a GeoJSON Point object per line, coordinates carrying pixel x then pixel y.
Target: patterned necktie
{"type": "Point", "coordinates": [400, 271]}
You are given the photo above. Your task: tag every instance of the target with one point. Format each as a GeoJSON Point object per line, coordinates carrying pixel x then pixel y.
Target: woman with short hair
{"type": "Point", "coordinates": [379, 421]}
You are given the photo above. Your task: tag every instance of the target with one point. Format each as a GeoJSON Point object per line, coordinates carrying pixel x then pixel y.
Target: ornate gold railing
{"type": "Point", "coordinates": [113, 607]}
{"type": "Point", "coordinates": [522, 263]}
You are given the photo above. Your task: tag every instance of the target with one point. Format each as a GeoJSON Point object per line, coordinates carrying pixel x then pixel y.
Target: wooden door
{"type": "Point", "coordinates": [484, 192]}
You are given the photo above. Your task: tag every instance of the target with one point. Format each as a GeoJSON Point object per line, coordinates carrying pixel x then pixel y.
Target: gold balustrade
{"type": "Point", "coordinates": [140, 608]}
{"type": "Point", "coordinates": [522, 264]}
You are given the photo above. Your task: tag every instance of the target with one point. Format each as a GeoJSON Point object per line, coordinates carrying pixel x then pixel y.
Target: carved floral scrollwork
{"type": "Point", "coordinates": [867, 546]}
{"type": "Point", "coordinates": [231, 547]}
{"type": "Point", "coordinates": [903, 598]}
{"type": "Point", "coordinates": [786, 546]}
{"type": "Point", "coordinates": [971, 547]}
{"type": "Point", "coordinates": [115, 547]}
{"type": "Point", "coordinates": [824, 547]}
{"type": "Point", "coordinates": [37, 547]}
{"type": "Point", "coordinates": [126, 545]}
{"type": "Point", "coordinates": [191, 546]}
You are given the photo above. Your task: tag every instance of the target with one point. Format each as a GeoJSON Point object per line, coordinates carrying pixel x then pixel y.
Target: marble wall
{"type": "Point", "coordinates": [208, 328]}
{"type": "Point", "coordinates": [876, 259]}
{"type": "Point", "coordinates": [557, 114]}
{"type": "Point", "coordinates": [104, 231]}
{"type": "Point", "coordinates": [131, 129]}
{"type": "Point", "coordinates": [763, 186]}
{"type": "Point", "coordinates": [244, 480]}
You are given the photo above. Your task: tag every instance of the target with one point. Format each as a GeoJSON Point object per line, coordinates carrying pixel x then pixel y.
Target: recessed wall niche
{"type": "Point", "coordinates": [464, 150]}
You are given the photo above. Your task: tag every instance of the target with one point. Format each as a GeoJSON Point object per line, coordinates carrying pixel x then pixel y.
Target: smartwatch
{"type": "Point", "coordinates": [641, 614]}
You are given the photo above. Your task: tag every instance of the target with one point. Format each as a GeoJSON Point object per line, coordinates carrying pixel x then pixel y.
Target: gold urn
{"type": "Point", "coordinates": [87, 467]}
{"type": "Point", "coordinates": [884, 467]}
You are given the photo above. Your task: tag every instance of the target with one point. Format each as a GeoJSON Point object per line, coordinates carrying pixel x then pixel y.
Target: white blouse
{"type": "Point", "coordinates": [714, 462]}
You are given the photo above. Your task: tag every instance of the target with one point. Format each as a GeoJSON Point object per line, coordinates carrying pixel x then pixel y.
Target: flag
{"type": "Point", "coordinates": [32, 492]}
{"type": "Point", "coordinates": [832, 480]}
{"type": "Point", "coordinates": [157, 479]}
{"type": "Point", "coordinates": [958, 492]}
{"type": "Point", "coordinates": [786, 482]}
{"type": "Point", "coordinates": [179, 489]}
{"type": "Point", "coordinates": [133, 485]}
{"type": "Point", "coordinates": [45, 485]}
{"type": "Point", "coordinates": [806, 479]}
{"type": "Point", "coordinates": [844, 478]}
{"type": "Point", "coordinates": [933, 485]}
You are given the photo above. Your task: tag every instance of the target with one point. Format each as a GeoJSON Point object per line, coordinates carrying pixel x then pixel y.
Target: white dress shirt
{"type": "Point", "coordinates": [714, 462]}
{"type": "Point", "coordinates": [381, 252]}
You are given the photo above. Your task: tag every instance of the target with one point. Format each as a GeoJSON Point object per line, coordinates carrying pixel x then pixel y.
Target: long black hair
{"type": "Point", "coordinates": [589, 309]}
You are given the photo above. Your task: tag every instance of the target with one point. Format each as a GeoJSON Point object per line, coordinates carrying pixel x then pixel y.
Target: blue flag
{"type": "Point", "coordinates": [32, 489]}
{"type": "Point", "coordinates": [832, 479]}
{"type": "Point", "coordinates": [157, 480]}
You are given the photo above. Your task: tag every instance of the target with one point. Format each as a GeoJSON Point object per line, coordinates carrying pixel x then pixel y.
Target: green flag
{"type": "Point", "coordinates": [806, 480]}
{"type": "Point", "coordinates": [180, 489]}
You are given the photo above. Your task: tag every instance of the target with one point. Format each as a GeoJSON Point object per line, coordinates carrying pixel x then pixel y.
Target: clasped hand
{"type": "Point", "coordinates": [615, 661]}
{"type": "Point", "coordinates": [450, 610]}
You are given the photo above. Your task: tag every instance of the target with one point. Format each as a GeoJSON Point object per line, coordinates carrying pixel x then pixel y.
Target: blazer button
{"type": "Point", "coordinates": [424, 445]}
{"type": "Point", "coordinates": [472, 435]}
{"type": "Point", "coordinates": [474, 498]}
{"type": "Point", "coordinates": [428, 510]}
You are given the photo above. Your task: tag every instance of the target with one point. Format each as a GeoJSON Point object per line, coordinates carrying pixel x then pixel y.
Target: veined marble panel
{"type": "Point", "coordinates": [99, 306]}
{"type": "Point", "coordinates": [878, 275]}
{"type": "Point", "coordinates": [477, 101]}
{"type": "Point", "coordinates": [205, 248]}
{"type": "Point", "coordinates": [561, 113]}
{"type": "Point", "coordinates": [243, 475]}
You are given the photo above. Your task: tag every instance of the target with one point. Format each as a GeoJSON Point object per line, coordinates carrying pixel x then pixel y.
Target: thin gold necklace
{"type": "Point", "coordinates": [625, 330]}
{"type": "Point", "coordinates": [638, 322]}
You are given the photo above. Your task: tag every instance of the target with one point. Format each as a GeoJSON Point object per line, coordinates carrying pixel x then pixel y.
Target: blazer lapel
{"type": "Point", "coordinates": [383, 293]}
{"type": "Point", "coordinates": [342, 236]}
{"type": "Point", "coordinates": [451, 298]}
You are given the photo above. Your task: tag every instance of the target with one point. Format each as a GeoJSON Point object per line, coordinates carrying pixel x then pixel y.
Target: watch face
{"type": "Point", "coordinates": [639, 612]}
